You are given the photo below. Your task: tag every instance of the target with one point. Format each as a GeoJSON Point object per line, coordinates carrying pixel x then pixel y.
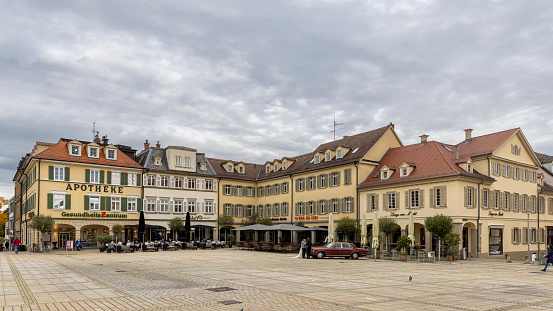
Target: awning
{"type": "Point", "coordinates": [202, 227]}
{"type": "Point", "coordinates": [317, 229]}
{"type": "Point", "coordinates": [287, 227]}
{"type": "Point", "coordinates": [147, 226]}
{"type": "Point", "coordinates": [256, 227]}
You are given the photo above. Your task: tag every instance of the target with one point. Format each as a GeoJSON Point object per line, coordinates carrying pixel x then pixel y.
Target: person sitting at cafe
{"type": "Point", "coordinates": [79, 245]}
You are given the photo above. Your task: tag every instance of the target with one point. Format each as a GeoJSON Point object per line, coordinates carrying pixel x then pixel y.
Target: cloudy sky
{"type": "Point", "coordinates": [256, 80]}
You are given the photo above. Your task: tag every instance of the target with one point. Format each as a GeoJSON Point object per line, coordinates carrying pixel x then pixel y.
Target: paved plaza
{"type": "Point", "coordinates": [180, 280]}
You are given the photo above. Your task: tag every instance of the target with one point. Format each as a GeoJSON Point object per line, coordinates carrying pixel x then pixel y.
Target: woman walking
{"type": "Point", "coordinates": [548, 257]}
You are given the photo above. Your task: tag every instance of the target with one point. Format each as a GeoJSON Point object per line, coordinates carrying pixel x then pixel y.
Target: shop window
{"type": "Point", "coordinates": [496, 241]}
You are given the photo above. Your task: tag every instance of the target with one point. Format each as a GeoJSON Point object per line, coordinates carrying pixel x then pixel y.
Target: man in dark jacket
{"type": "Point", "coordinates": [308, 244]}
{"type": "Point", "coordinates": [548, 257]}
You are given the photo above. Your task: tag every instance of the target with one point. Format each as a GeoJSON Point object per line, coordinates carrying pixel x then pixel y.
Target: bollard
{"type": "Point", "coordinates": [508, 258]}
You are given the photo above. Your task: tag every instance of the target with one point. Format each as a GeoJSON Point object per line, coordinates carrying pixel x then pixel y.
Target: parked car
{"type": "Point", "coordinates": [339, 249]}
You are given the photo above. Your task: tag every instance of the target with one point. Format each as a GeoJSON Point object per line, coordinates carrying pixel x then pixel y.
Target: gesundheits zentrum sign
{"type": "Point", "coordinates": [93, 215]}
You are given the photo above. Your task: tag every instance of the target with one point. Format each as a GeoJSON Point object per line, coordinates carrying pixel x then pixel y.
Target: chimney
{"type": "Point", "coordinates": [105, 140]}
{"type": "Point", "coordinates": [424, 139]}
{"type": "Point", "coordinates": [468, 133]}
{"type": "Point", "coordinates": [96, 139]}
{"type": "Point", "coordinates": [146, 145]}
{"type": "Point", "coordinates": [392, 125]}
{"type": "Point", "coordinates": [158, 145]}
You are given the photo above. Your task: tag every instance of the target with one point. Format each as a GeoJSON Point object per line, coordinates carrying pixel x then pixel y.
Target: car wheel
{"type": "Point", "coordinates": [320, 255]}
{"type": "Point", "coordinates": [355, 256]}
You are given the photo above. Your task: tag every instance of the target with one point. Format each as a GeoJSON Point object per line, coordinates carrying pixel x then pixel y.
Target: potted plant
{"type": "Point", "coordinates": [452, 240]}
{"type": "Point", "coordinates": [103, 239]}
{"type": "Point", "coordinates": [232, 240]}
{"type": "Point", "coordinates": [403, 243]}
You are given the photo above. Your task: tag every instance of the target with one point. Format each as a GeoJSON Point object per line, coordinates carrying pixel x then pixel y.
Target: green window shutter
{"type": "Point", "coordinates": [109, 178]}
{"type": "Point", "coordinates": [102, 203]}
{"type": "Point", "coordinates": [102, 177]}
{"type": "Point", "coordinates": [139, 180]}
{"type": "Point", "coordinates": [86, 202]}
{"type": "Point", "coordinates": [87, 175]}
{"type": "Point", "coordinates": [123, 204]}
{"type": "Point", "coordinates": [343, 205]}
{"type": "Point", "coordinates": [50, 172]}
{"type": "Point", "coordinates": [297, 184]}
{"type": "Point", "coordinates": [67, 174]}
{"type": "Point", "coordinates": [50, 200]}
{"type": "Point", "coordinates": [124, 179]}
{"type": "Point", "coordinates": [352, 204]}
{"type": "Point", "coordinates": [339, 182]}
{"type": "Point", "coordinates": [318, 181]}
{"type": "Point", "coordinates": [67, 201]}
{"type": "Point", "coordinates": [139, 204]}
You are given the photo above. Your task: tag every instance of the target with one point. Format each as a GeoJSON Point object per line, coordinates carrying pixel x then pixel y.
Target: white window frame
{"type": "Point", "coordinates": [335, 179]}
{"type": "Point", "coordinates": [392, 204]}
{"type": "Point", "coordinates": [94, 202]}
{"type": "Point", "coordinates": [227, 190]}
{"type": "Point", "coordinates": [178, 182]}
{"type": "Point", "coordinates": [78, 149]}
{"type": "Point", "coordinates": [241, 170]}
{"type": "Point", "coordinates": [164, 181]}
{"type": "Point", "coordinates": [335, 206]}
{"type": "Point", "coordinates": [208, 184]}
{"type": "Point", "coordinates": [178, 161]}
{"type": "Point", "coordinates": [191, 206]}
{"type": "Point", "coordinates": [285, 187]}
{"type": "Point", "coordinates": [239, 191]}
{"type": "Point", "coordinates": [150, 204]}
{"type": "Point", "coordinates": [131, 179]}
{"type": "Point", "coordinates": [94, 176]}
{"type": "Point", "coordinates": [284, 208]}
{"type": "Point", "coordinates": [163, 205]}
{"type": "Point", "coordinates": [59, 201]}
{"type": "Point", "coordinates": [349, 205]}
{"type": "Point", "coordinates": [328, 156]}
{"type": "Point", "coordinates": [115, 203]}
{"type": "Point", "coordinates": [227, 209]}
{"type": "Point", "coordinates": [339, 154]}
{"type": "Point", "coordinates": [59, 173]}
{"type": "Point", "coordinates": [110, 156]}
{"type": "Point", "coordinates": [151, 180]}
{"type": "Point", "coordinates": [414, 198]}
{"type": "Point", "coordinates": [284, 165]}
{"type": "Point", "coordinates": [209, 207]}
{"type": "Point", "coordinates": [93, 152]}
{"type": "Point", "coordinates": [178, 206]}
{"type": "Point", "coordinates": [191, 183]}
{"type": "Point", "coordinates": [229, 168]}
{"type": "Point", "coordinates": [132, 204]}
{"type": "Point", "coordinates": [115, 178]}
{"type": "Point", "coordinates": [187, 162]}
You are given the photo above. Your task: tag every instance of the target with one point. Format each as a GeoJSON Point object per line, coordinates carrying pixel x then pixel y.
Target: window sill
{"type": "Point", "coordinates": [132, 212]}
{"type": "Point", "coordinates": [118, 212]}
{"type": "Point", "coordinates": [58, 209]}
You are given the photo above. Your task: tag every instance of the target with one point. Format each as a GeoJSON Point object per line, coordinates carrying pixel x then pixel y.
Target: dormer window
{"type": "Point", "coordinates": [284, 165]}
{"type": "Point", "coordinates": [75, 151]}
{"type": "Point", "coordinates": [385, 175]}
{"type": "Point", "coordinates": [267, 169]}
{"type": "Point", "coordinates": [111, 152]}
{"type": "Point", "coordinates": [276, 167]}
{"type": "Point", "coordinates": [157, 161]}
{"type": "Point", "coordinates": [74, 148]}
{"type": "Point", "coordinates": [339, 154]}
{"type": "Point", "coordinates": [230, 168]}
{"type": "Point", "coordinates": [403, 172]}
{"type": "Point", "coordinates": [203, 166]}
{"type": "Point", "coordinates": [469, 168]}
{"type": "Point", "coordinates": [328, 156]}
{"type": "Point", "coordinates": [93, 152]}
{"type": "Point", "coordinates": [317, 159]}
{"type": "Point", "coordinates": [241, 170]}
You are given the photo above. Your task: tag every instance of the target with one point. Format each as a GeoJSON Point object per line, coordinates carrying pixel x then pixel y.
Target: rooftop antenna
{"type": "Point", "coordinates": [335, 129]}
{"type": "Point", "coordinates": [95, 133]}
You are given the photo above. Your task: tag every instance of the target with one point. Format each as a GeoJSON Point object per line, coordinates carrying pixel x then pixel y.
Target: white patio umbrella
{"type": "Point", "coordinates": [411, 229]}
{"type": "Point", "coordinates": [376, 231]}
{"type": "Point", "coordinates": [330, 228]}
{"type": "Point", "coordinates": [364, 230]}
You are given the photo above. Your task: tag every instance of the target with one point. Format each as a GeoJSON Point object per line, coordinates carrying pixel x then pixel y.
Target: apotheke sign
{"type": "Point", "coordinates": [95, 188]}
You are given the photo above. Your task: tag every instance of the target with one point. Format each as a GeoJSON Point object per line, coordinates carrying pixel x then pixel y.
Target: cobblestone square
{"type": "Point", "coordinates": [90, 280]}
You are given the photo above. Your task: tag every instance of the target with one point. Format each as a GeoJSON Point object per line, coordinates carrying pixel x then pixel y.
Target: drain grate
{"type": "Point", "coordinates": [230, 302]}
{"type": "Point", "coordinates": [220, 289]}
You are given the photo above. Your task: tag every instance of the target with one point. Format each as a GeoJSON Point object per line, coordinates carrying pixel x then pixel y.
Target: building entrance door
{"type": "Point", "coordinates": [65, 236]}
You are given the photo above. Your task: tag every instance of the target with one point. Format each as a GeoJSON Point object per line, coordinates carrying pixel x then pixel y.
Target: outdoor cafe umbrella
{"type": "Point", "coordinates": [187, 226]}
{"type": "Point", "coordinates": [411, 229]}
{"type": "Point", "coordinates": [364, 230]}
{"type": "Point", "coordinates": [141, 226]}
{"type": "Point", "coordinates": [376, 231]}
{"type": "Point", "coordinates": [330, 228]}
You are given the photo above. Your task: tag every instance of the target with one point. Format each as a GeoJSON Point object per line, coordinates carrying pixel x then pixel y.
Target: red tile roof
{"type": "Point", "coordinates": [60, 152]}
{"type": "Point", "coordinates": [432, 160]}
{"type": "Point", "coordinates": [251, 170]}
{"type": "Point", "coordinates": [484, 144]}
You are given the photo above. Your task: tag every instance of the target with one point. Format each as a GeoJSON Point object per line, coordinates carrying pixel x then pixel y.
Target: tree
{"type": "Point", "coordinates": [452, 240]}
{"type": "Point", "coordinates": [251, 220]}
{"type": "Point", "coordinates": [439, 225]}
{"type": "Point", "coordinates": [403, 242]}
{"type": "Point", "coordinates": [42, 223]}
{"type": "Point", "coordinates": [346, 227]}
{"type": "Point", "coordinates": [175, 224]}
{"type": "Point", "coordinates": [387, 225]}
{"type": "Point", "coordinates": [117, 228]}
{"type": "Point", "coordinates": [265, 221]}
{"type": "Point", "coordinates": [3, 216]}
{"type": "Point", "coordinates": [225, 222]}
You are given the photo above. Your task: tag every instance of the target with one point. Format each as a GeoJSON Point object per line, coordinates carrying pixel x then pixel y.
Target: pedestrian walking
{"type": "Point", "coordinates": [548, 257]}
{"type": "Point", "coordinates": [303, 245]}
{"type": "Point", "coordinates": [308, 246]}
{"type": "Point", "coordinates": [16, 243]}
{"type": "Point", "coordinates": [7, 245]}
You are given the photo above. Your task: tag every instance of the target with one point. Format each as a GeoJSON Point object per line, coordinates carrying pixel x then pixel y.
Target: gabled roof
{"type": "Point", "coordinates": [251, 171]}
{"type": "Point", "coordinates": [60, 152]}
{"type": "Point", "coordinates": [484, 144]}
{"type": "Point", "coordinates": [433, 161]}
{"type": "Point", "coordinates": [544, 158]}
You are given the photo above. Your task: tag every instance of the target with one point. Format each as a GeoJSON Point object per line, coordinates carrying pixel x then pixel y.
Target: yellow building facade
{"type": "Point", "coordinates": [85, 186]}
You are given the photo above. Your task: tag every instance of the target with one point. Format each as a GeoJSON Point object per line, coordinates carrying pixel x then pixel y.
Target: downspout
{"type": "Point", "coordinates": [291, 200]}
{"type": "Point", "coordinates": [357, 196]}
{"type": "Point", "coordinates": [478, 220]}
{"type": "Point", "coordinates": [540, 192]}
